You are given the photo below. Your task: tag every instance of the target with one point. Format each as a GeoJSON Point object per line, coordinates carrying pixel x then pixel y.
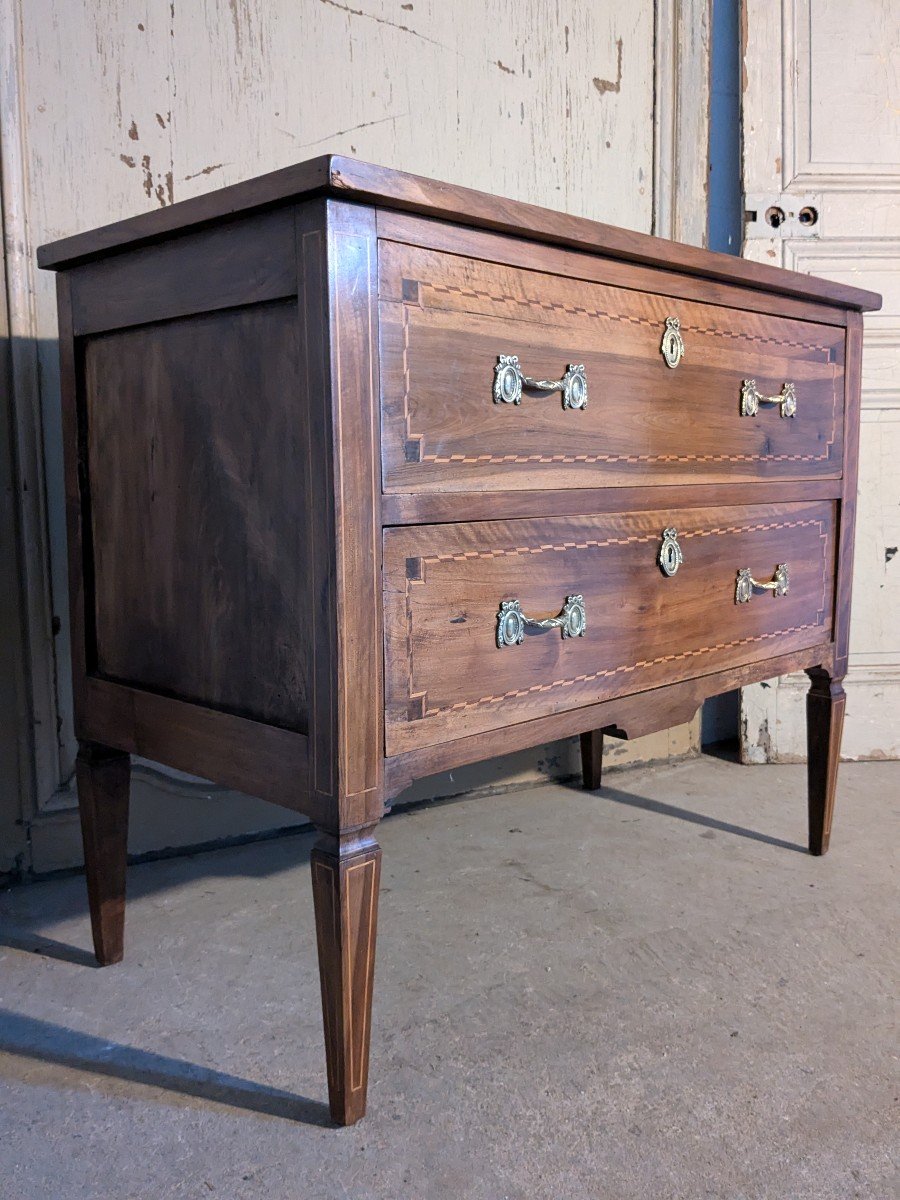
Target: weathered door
{"type": "Point", "coordinates": [821, 135]}
{"type": "Point", "coordinates": [591, 106]}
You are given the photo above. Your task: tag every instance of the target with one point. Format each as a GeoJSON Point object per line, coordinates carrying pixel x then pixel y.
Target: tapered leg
{"type": "Point", "coordinates": [592, 758]}
{"type": "Point", "coordinates": [345, 877]}
{"type": "Point", "coordinates": [102, 776]}
{"type": "Point", "coordinates": [824, 722]}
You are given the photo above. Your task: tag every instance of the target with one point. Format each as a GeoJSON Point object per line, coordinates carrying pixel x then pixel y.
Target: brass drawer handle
{"type": "Point", "coordinates": [511, 621]}
{"type": "Point", "coordinates": [752, 398]}
{"type": "Point", "coordinates": [746, 584]}
{"type": "Point", "coordinates": [509, 381]}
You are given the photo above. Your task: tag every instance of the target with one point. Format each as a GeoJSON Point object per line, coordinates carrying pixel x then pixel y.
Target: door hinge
{"type": "Point", "coordinates": [780, 215]}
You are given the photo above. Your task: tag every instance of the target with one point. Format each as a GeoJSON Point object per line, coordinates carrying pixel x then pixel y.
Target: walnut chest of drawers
{"type": "Point", "coordinates": [369, 476]}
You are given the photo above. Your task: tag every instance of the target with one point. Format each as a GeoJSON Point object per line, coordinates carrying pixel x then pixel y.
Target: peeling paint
{"type": "Point", "coordinates": [141, 64]}
{"type": "Point", "coordinates": [133, 131]}
{"type": "Point", "coordinates": [205, 171]}
{"type": "Point", "coordinates": [607, 85]}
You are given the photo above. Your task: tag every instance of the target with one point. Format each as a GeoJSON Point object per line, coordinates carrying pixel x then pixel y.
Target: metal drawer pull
{"type": "Point", "coordinates": [509, 381]}
{"type": "Point", "coordinates": [511, 621]}
{"type": "Point", "coordinates": [746, 584]}
{"type": "Point", "coordinates": [752, 398]}
{"type": "Point", "coordinates": [672, 345]}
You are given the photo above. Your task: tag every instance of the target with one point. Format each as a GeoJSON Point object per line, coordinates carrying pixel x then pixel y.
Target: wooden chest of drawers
{"type": "Point", "coordinates": [370, 476]}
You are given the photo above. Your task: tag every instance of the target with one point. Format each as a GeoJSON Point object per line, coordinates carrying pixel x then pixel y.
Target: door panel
{"type": "Point", "coordinates": [821, 129]}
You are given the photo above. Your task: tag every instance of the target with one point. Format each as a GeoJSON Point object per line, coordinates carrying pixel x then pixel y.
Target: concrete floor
{"type": "Point", "coordinates": [650, 992]}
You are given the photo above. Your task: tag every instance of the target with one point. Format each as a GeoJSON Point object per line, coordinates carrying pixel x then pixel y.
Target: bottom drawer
{"type": "Point", "coordinates": [461, 657]}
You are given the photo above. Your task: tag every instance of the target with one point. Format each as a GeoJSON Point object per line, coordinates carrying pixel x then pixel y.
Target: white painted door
{"type": "Point", "coordinates": [591, 106]}
{"type": "Point", "coordinates": [821, 118]}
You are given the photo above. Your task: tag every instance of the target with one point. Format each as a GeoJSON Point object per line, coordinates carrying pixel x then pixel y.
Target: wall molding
{"type": "Point", "coordinates": [41, 714]}
{"type": "Point", "coordinates": [681, 124]}
{"type": "Point", "coordinates": [801, 170]}
{"type": "Point", "coordinates": [873, 697]}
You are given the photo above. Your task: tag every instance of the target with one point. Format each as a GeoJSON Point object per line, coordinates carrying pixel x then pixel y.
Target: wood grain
{"type": "Point", "coordinates": [337, 260]}
{"type": "Point", "coordinates": [825, 704]}
{"type": "Point", "coordinates": [627, 716]}
{"type": "Point", "coordinates": [644, 421]}
{"type": "Point", "coordinates": [102, 776]}
{"type": "Point", "coordinates": [236, 263]}
{"type": "Point", "coordinates": [849, 497]}
{"type": "Point", "coordinates": [198, 463]}
{"type": "Point", "coordinates": [446, 678]}
{"type": "Point", "coordinates": [355, 180]}
{"type": "Point", "coordinates": [659, 278]}
{"type": "Point", "coordinates": [249, 756]}
{"type": "Point", "coordinates": [345, 879]}
{"type": "Point", "coordinates": [437, 508]}
{"type": "Point", "coordinates": [592, 758]}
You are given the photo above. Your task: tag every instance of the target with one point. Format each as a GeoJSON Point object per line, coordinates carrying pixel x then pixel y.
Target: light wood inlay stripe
{"type": "Point", "coordinates": [589, 459]}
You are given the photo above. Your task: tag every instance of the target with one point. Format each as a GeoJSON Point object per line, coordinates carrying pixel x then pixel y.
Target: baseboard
{"type": "Point", "coordinates": [774, 716]}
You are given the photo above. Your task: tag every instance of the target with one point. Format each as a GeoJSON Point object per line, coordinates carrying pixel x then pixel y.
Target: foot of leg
{"type": "Point", "coordinates": [825, 703]}
{"type": "Point", "coordinates": [102, 776]}
{"type": "Point", "coordinates": [345, 877]}
{"type": "Point", "coordinates": [592, 758]}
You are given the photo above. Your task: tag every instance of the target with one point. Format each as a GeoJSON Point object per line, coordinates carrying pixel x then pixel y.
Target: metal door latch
{"type": "Point", "coordinates": [779, 215]}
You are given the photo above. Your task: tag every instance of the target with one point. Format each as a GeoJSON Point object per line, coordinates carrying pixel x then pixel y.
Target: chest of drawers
{"type": "Point", "coordinates": [369, 476]}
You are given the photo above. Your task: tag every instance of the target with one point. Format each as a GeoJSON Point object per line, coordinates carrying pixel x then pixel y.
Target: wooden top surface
{"type": "Point", "coordinates": [335, 175]}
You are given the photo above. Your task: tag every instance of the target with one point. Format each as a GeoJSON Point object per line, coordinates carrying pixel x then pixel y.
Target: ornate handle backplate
{"type": "Point", "coordinates": [672, 345]}
{"type": "Point", "coordinates": [670, 555]}
{"type": "Point", "coordinates": [752, 398]}
{"type": "Point", "coordinates": [509, 380]}
{"type": "Point", "coordinates": [511, 621]}
{"type": "Point", "coordinates": [746, 584]}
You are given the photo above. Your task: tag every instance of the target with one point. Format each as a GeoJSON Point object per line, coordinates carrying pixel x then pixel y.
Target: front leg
{"type": "Point", "coordinates": [825, 704]}
{"type": "Point", "coordinates": [345, 875]}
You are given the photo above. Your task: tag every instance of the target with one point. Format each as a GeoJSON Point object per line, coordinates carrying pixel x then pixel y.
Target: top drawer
{"type": "Point", "coordinates": [445, 319]}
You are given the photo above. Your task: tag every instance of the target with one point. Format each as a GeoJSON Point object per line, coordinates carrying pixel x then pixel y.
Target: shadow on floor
{"type": "Point", "coordinates": [285, 853]}
{"type": "Point", "coordinates": [66, 897]}
{"type": "Point", "coordinates": [36, 943]}
{"type": "Point", "coordinates": [43, 1041]}
{"type": "Point", "coordinates": [684, 814]}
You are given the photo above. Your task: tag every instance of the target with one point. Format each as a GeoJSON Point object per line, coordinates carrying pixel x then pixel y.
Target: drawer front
{"type": "Point", "coordinates": [446, 587]}
{"type": "Point", "coordinates": [445, 320]}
